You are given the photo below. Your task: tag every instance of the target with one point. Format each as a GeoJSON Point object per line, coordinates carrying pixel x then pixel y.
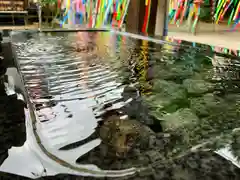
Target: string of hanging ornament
{"type": "Point", "coordinates": [180, 9]}
{"type": "Point", "coordinates": [96, 15]}
{"type": "Point", "coordinates": [146, 16]}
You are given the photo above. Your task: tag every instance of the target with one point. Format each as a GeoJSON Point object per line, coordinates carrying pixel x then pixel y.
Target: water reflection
{"type": "Point", "coordinates": [136, 104]}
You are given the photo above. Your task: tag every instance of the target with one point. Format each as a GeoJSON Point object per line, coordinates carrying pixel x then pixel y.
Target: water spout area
{"type": "Point", "coordinates": [104, 104]}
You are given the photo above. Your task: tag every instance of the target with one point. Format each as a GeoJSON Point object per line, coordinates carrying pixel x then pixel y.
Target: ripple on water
{"type": "Point", "coordinates": [65, 80]}
{"type": "Point", "coordinates": [75, 82]}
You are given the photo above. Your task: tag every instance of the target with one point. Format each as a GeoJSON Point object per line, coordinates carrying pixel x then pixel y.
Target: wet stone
{"type": "Point", "coordinates": [192, 163]}
{"type": "Point", "coordinates": [181, 70]}
{"type": "Point", "coordinates": [197, 86]}
{"type": "Point", "coordinates": [136, 109]}
{"type": "Point", "coordinates": [117, 165]}
{"type": "Point", "coordinates": [162, 140]}
{"type": "Point", "coordinates": [154, 155]}
{"type": "Point", "coordinates": [127, 164]}
{"type": "Point", "coordinates": [209, 74]}
{"type": "Point", "coordinates": [169, 88]}
{"type": "Point", "coordinates": [103, 150]}
{"type": "Point", "coordinates": [173, 72]}
{"type": "Point", "coordinates": [233, 99]}
{"type": "Point", "coordinates": [160, 144]}
{"type": "Point", "coordinates": [159, 175]}
{"type": "Point", "coordinates": [235, 145]}
{"type": "Point", "coordinates": [152, 141]}
{"type": "Point", "coordinates": [162, 135]}
{"type": "Point", "coordinates": [140, 161]}
{"type": "Point", "coordinates": [149, 171]}
{"type": "Point", "coordinates": [169, 95]}
{"type": "Point", "coordinates": [182, 174]}
{"type": "Point", "coordinates": [203, 106]}
{"type": "Point", "coordinates": [135, 152]}
{"type": "Point", "coordinates": [179, 119]}
{"type": "Point", "coordinates": [95, 159]}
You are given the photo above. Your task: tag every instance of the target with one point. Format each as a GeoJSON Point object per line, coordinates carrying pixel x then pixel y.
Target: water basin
{"type": "Point", "coordinates": [106, 104]}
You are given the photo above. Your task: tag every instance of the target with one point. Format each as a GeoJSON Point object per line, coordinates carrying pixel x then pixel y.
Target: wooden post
{"type": "Point", "coordinates": [39, 16]}
{"type": "Point", "coordinates": [135, 16]}
{"type": "Point", "coordinates": [162, 18]}
{"type": "Point", "coordinates": [26, 4]}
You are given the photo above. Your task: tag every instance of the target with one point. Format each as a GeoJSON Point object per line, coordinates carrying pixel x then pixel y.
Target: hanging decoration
{"type": "Point", "coordinates": [93, 13]}
{"type": "Point", "coordinates": [184, 9]}
{"type": "Point", "coordinates": [146, 16]}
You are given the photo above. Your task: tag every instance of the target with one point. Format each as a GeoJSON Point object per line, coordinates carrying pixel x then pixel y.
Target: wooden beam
{"type": "Point", "coordinates": [153, 16]}
{"type": "Point", "coordinates": [132, 18]}
{"type": "Point", "coordinates": [26, 4]}
{"type": "Point", "coordinates": [162, 18]}
{"type": "Point", "coordinates": [135, 16]}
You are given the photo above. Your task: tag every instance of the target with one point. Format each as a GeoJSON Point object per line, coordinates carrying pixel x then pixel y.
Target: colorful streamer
{"type": "Point", "coordinates": [180, 9]}
{"type": "Point", "coordinates": [99, 14]}
{"type": "Point", "coordinates": [147, 15]}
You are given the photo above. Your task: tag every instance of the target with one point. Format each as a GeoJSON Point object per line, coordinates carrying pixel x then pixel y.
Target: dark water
{"type": "Point", "coordinates": [118, 103]}
{"type": "Point", "coordinates": [12, 115]}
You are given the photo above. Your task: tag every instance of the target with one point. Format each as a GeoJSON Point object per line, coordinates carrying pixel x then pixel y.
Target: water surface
{"type": "Point", "coordinates": [187, 98]}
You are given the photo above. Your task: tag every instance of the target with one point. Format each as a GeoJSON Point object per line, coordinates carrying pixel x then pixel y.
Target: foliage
{"type": "Point", "coordinates": [47, 2]}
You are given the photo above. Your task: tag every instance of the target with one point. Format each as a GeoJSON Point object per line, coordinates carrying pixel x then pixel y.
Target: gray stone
{"type": "Point", "coordinates": [203, 106]}
{"type": "Point", "coordinates": [165, 94]}
{"type": "Point", "coordinates": [159, 175]}
{"type": "Point", "coordinates": [182, 174]}
{"type": "Point", "coordinates": [197, 86]}
{"type": "Point", "coordinates": [140, 161]}
{"type": "Point", "coordinates": [144, 174]}
{"type": "Point", "coordinates": [181, 70]}
{"type": "Point", "coordinates": [117, 165]}
{"type": "Point", "coordinates": [173, 71]}
{"type": "Point", "coordinates": [169, 88]}
{"type": "Point", "coordinates": [154, 155]}
{"type": "Point", "coordinates": [152, 141]}
{"type": "Point", "coordinates": [179, 119]}
{"type": "Point", "coordinates": [136, 152]}
{"type": "Point", "coordinates": [209, 74]}
{"type": "Point", "coordinates": [103, 150]}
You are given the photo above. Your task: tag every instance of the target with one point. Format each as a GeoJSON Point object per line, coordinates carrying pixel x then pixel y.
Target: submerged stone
{"type": "Point", "coordinates": [179, 119]}
{"type": "Point", "coordinates": [154, 155]}
{"type": "Point", "coordinates": [197, 86]}
{"type": "Point", "coordinates": [203, 106]}
{"type": "Point", "coordinates": [174, 72]}
{"type": "Point", "coordinates": [235, 145]}
{"type": "Point", "coordinates": [182, 71]}
{"type": "Point", "coordinates": [165, 93]}
{"type": "Point", "coordinates": [169, 88]}
{"type": "Point", "coordinates": [118, 135]}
